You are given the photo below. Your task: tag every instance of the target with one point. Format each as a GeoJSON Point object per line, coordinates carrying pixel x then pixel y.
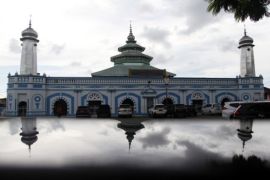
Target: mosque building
{"type": "Point", "coordinates": [130, 80]}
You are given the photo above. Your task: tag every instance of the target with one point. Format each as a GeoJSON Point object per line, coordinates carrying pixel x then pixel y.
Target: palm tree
{"type": "Point", "coordinates": [242, 9]}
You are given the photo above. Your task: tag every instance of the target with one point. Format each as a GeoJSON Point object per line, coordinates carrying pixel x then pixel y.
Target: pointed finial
{"type": "Point", "coordinates": [245, 31]}
{"type": "Point", "coordinates": [243, 146]}
{"type": "Point", "coordinates": [130, 27]}
{"type": "Point", "coordinates": [29, 150]}
{"type": "Point", "coordinates": [131, 37]}
{"type": "Point", "coordinates": [129, 146]}
{"type": "Point", "coordinates": [30, 23]}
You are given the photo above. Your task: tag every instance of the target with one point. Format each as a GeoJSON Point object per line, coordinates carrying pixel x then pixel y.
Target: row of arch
{"type": "Point", "coordinates": [63, 105]}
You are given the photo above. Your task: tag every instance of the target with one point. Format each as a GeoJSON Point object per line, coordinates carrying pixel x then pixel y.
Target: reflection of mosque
{"type": "Point", "coordinates": [245, 130]}
{"type": "Point", "coordinates": [29, 131]}
{"type": "Point", "coordinates": [131, 127]}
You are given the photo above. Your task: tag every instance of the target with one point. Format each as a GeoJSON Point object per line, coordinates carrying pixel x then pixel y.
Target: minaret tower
{"type": "Point", "coordinates": [29, 51]}
{"type": "Point", "coordinates": [247, 67]}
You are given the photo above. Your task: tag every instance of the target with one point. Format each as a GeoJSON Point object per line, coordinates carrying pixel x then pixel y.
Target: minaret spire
{"type": "Point", "coordinates": [131, 37]}
{"type": "Point", "coordinates": [245, 30]}
{"type": "Point", "coordinates": [30, 21]}
{"type": "Point", "coordinates": [29, 150]}
{"type": "Point", "coordinates": [130, 28]}
{"type": "Point", "coordinates": [243, 146]}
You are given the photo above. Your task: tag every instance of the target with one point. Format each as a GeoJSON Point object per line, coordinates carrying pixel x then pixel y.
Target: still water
{"type": "Point", "coordinates": [174, 145]}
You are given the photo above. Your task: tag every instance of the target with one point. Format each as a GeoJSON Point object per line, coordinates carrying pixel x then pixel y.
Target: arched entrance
{"type": "Point", "coordinates": [128, 101]}
{"type": "Point", "coordinates": [60, 108]}
{"type": "Point", "coordinates": [224, 100]}
{"type": "Point", "coordinates": [167, 101]}
{"type": "Point", "coordinates": [197, 101]}
{"type": "Point", "coordinates": [22, 108]}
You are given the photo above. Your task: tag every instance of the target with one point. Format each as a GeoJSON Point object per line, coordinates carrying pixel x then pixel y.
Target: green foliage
{"type": "Point", "coordinates": [242, 9]}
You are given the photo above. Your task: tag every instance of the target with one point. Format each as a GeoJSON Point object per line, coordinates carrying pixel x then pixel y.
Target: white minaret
{"type": "Point", "coordinates": [247, 67]}
{"type": "Point", "coordinates": [29, 51]}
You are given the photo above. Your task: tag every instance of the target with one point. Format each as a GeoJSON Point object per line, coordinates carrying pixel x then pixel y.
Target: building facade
{"type": "Point", "coordinates": [131, 80]}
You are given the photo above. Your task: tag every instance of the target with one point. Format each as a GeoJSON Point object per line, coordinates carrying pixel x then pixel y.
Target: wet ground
{"type": "Point", "coordinates": [133, 148]}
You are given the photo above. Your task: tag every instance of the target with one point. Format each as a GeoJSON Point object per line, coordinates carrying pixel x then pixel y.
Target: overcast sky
{"type": "Point", "coordinates": [79, 37]}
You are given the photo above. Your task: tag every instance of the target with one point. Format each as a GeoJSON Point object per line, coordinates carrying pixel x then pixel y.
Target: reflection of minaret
{"type": "Point", "coordinates": [130, 127]}
{"type": "Point", "coordinates": [245, 130]}
{"type": "Point", "coordinates": [29, 131]}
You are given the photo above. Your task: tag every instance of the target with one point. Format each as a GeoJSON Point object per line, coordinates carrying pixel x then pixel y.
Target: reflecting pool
{"type": "Point", "coordinates": [133, 146]}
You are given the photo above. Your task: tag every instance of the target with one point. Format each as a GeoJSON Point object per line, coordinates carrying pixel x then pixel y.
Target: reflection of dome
{"type": "Point", "coordinates": [244, 136]}
{"type": "Point", "coordinates": [131, 128]}
{"type": "Point", "coordinates": [245, 130]}
{"type": "Point", "coordinates": [28, 139]}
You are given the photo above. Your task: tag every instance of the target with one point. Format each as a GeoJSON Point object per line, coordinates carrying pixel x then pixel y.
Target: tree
{"type": "Point", "coordinates": [242, 9]}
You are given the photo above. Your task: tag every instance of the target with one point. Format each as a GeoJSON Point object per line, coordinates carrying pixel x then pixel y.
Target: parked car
{"type": "Point", "coordinates": [257, 109]}
{"type": "Point", "coordinates": [125, 110]}
{"type": "Point", "coordinates": [104, 111]}
{"type": "Point", "coordinates": [82, 111]}
{"type": "Point", "coordinates": [157, 110]}
{"type": "Point", "coordinates": [211, 109]}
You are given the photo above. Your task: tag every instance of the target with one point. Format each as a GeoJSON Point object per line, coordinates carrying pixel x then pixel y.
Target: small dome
{"type": "Point", "coordinates": [30, 32]}
{"type": "Point", "coordinates": [246, 39]}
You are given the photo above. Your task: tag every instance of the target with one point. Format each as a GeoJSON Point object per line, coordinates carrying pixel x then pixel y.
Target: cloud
{"type": "Point", "coordinates": [195, 14]}
{"type": "Point", "coordinates": [14, 46]}
{"type": "Point", "coordinates": [75, 63]}
{"type": "Point", "coordinates": [161, 59]}
{"type": "Point", "coordinates": [157, 35]}
{"type": "Point", "coordinates": [57, 49]}
{"type": "Point", "coordinates": [156, 139]}
{"type": "Point", "coordinates": [14, 126]}
{"type": "Point", "coordinates": [228, 46]}
{"type": "Point", "coordinates": [197, 154]}
{"type": "Point", "coordinates": [226, 132]}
